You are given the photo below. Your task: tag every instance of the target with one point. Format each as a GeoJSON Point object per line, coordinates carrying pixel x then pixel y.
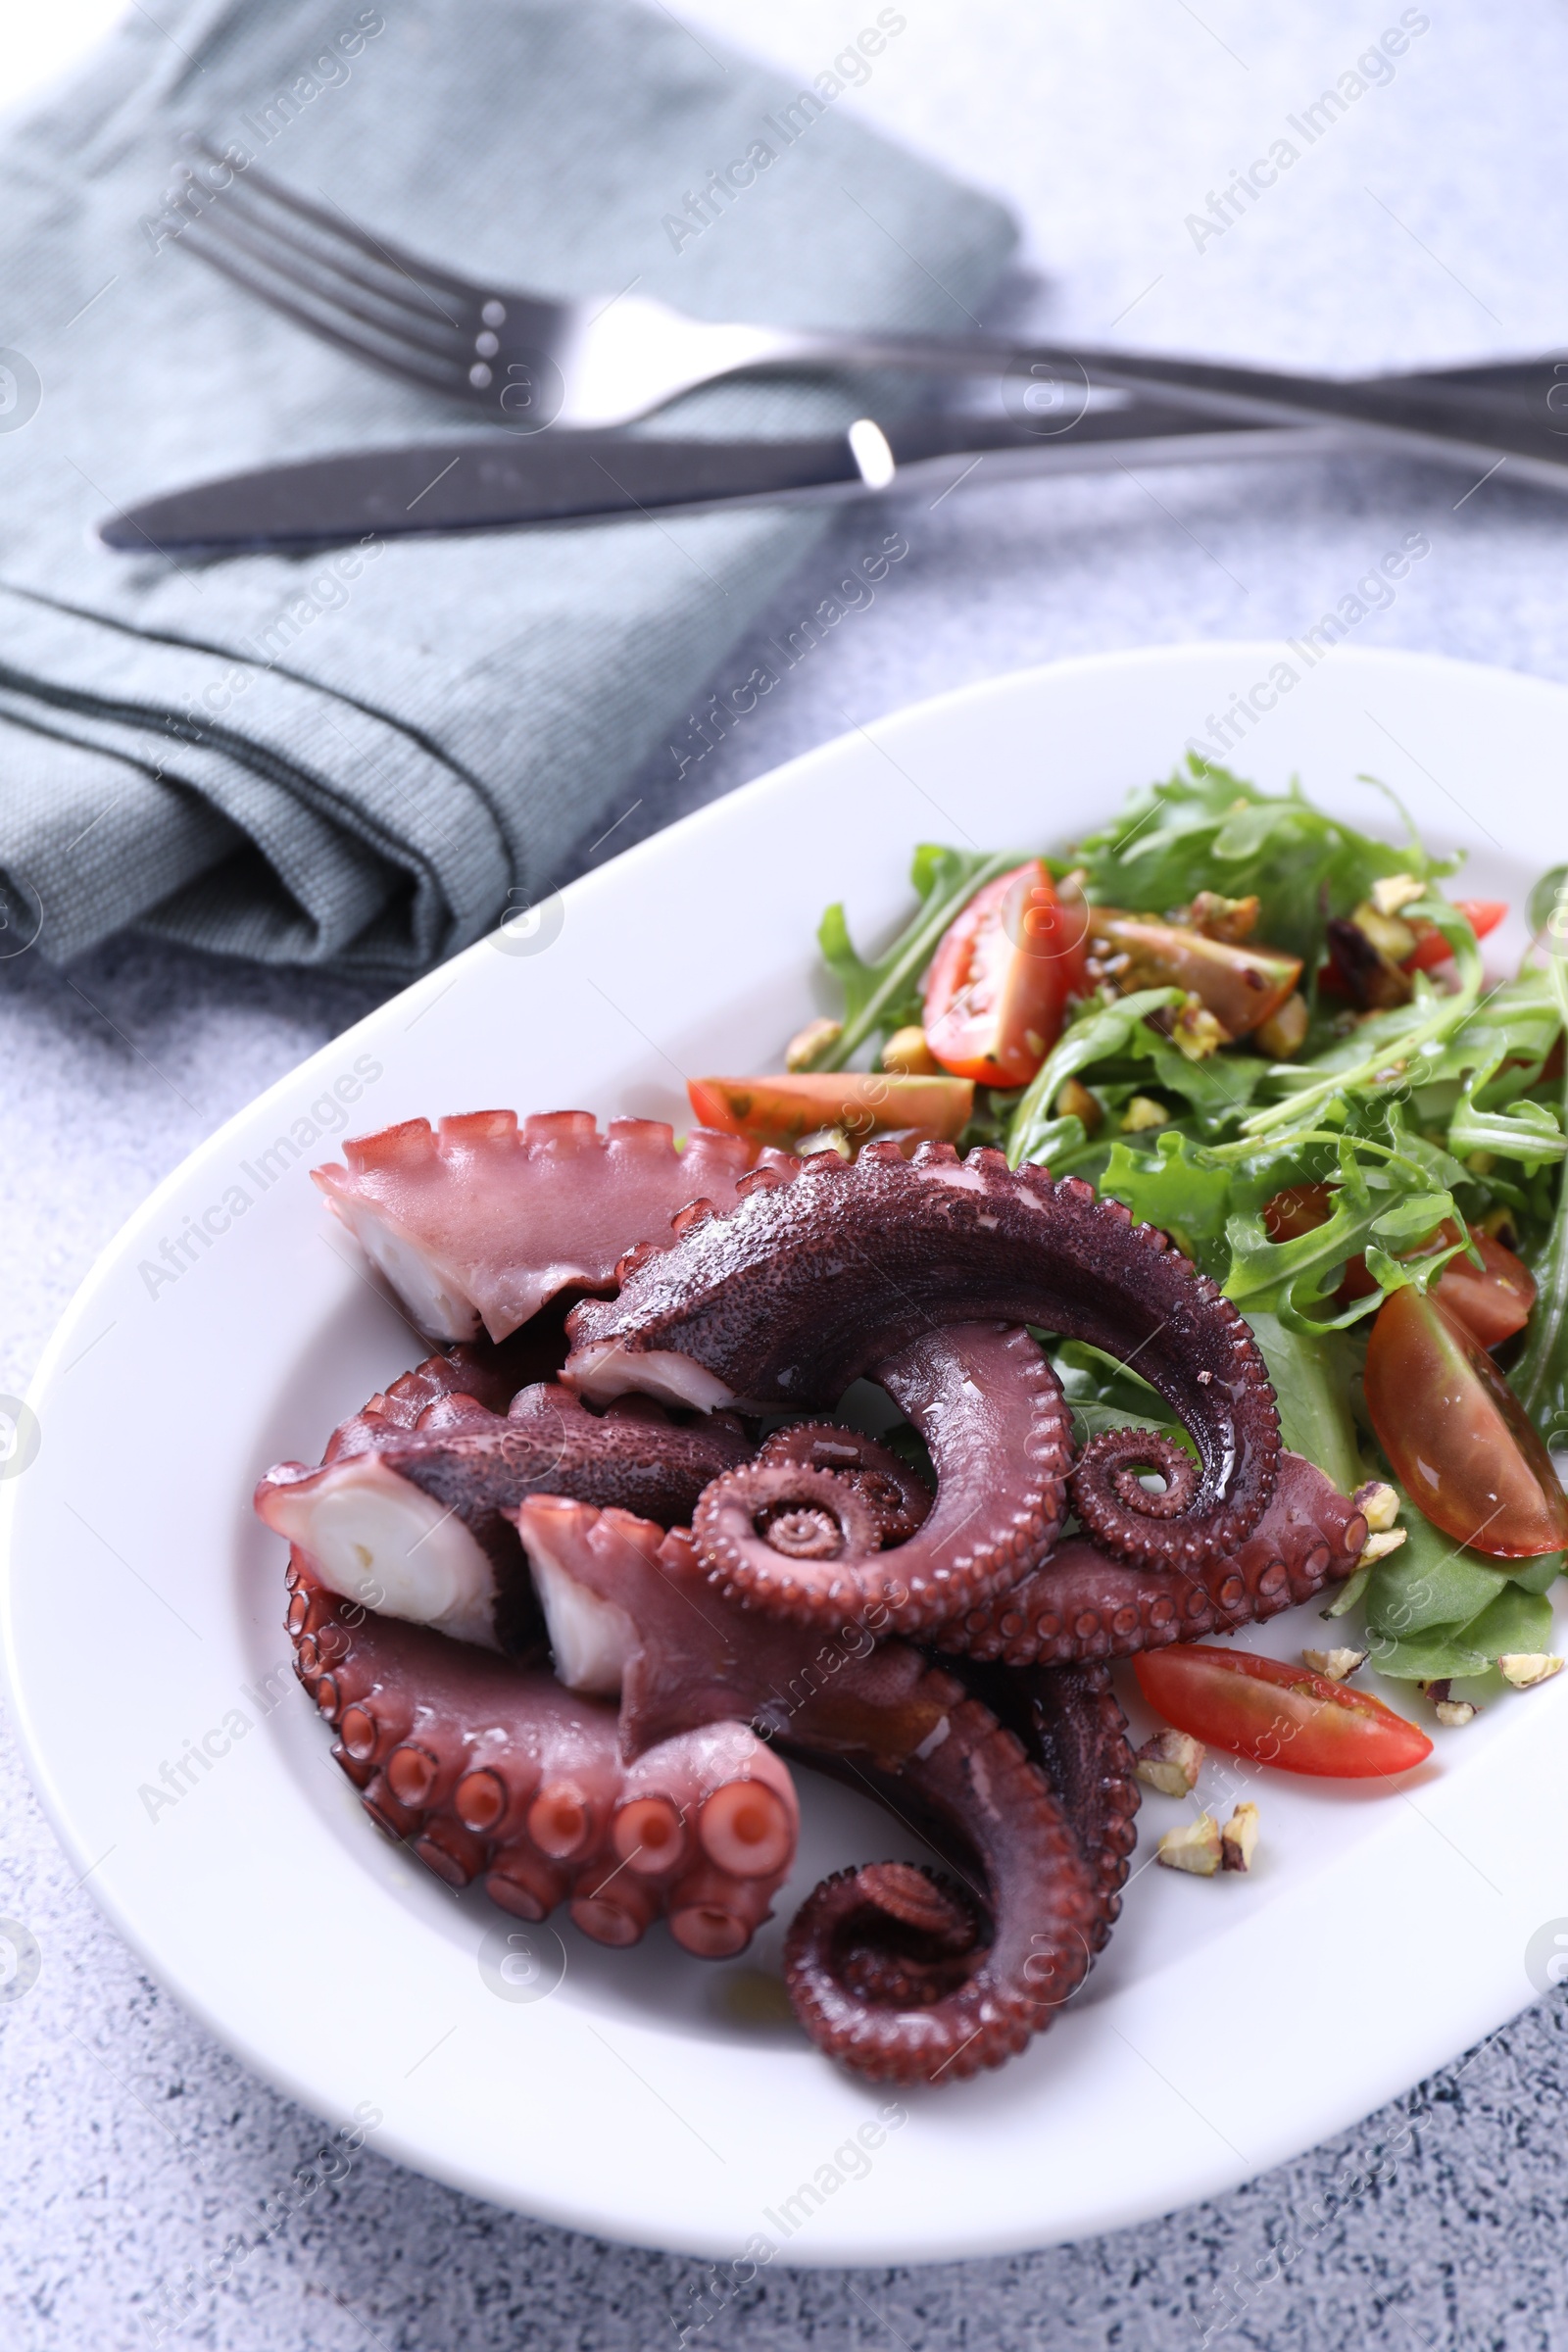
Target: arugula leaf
{"type": "Point", "coordinates": [1311, 1377]}
{"type": "Point", "coordinates": [1436, 1609]}
{"type": "Point", "coordinates": [1515, 1620]}
{"type": "Point", "coordinates": [1101, 1034]}
{"type": "Point", "coordinates": [1539, 1377]}
{"type": "Point", "coordinates": [884, 994]}
{"type": "Point", "coordinates": [1206, 829]}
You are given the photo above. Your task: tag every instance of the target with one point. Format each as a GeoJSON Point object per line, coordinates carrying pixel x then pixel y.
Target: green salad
{"type": "Point", "coordinates": [1395, 1124]}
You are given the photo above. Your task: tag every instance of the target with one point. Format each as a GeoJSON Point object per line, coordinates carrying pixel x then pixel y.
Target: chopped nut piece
{"type": "Point", "coordinates": [1239, 1838]}
{"type": "Point", "coordinates": [907, 1054]}
{"type": "Point", "coordinates": [1338, 1664]}
{"type": "Point", "coordinates": [825, 1139]}
{"type": "Point", "coordinates": [808, 1043]}
{"type": "Point", "coordinates": [1229, 919]}
{"type": "Point", "coordinates": [1170, 1762]}
{"type": "Point", "coordinates": [1481, 1164]}
{"type": "Point", "coordinates": [1284, 1033]}
{"type": "Point", "coordinates": [1195, 1846]}
{"type": "Point", "coordinates": [1524, 1668]}
{"type": "Point", "coordinates": [1453, 1713]}
{"type": "Point", "coordinates": [1390, 937]}
{"type": "Point", "coordinates": [1196, 1032]}
{"type": "Point", "coordinates": [1142, 1113]}
{"type": "Point", "coordinates": [1391, 892]}
{"type": "Point", "coordinates": [1378, 1503]}
{"type": "Point", "coordinates": [1498, 1222]}
{"type": "Point", "coordinates": [1377, 1548]}
{"type": "Point", "coordinates": [1075, 1101]}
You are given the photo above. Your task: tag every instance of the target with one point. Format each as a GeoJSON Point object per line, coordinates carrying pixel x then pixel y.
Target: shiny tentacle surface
{"type": "Point", "coordinates": [908, 1976]}
{"type": "Point", "coordinates": [1082, 1603]}
{"type": "Point", "coordinates": [992, 1414]}
{"type": "Point", "coordinates": [481, 1223]}
{"type": "Point", "coordinates": [810, 1283]}
{"type": "Point", "coordinates": [496, 1773]}
{"type": "Point", "coordinates": [410, 1521]}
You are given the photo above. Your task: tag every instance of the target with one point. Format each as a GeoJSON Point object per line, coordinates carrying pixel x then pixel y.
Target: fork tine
{"type": "Point", "coordinates": [420, 274]}
{"type": "Point", "coordinates": [419, 331]}
{"type": "Point", "coordinates": [249, 225]}
{"type": "Point", "coordinates": [399, 362]}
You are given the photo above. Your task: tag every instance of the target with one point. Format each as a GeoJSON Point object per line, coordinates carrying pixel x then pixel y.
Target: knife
{"type": "Point", "coordinates": [495, 484]}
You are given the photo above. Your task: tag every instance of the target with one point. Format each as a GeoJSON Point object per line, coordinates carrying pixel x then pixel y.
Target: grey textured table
{"type": "Point", "coordinates": [1428, 223]}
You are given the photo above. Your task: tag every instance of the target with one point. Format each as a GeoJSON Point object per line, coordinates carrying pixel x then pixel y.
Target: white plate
{"type": "Point", "coordinates": [1232, 2023]}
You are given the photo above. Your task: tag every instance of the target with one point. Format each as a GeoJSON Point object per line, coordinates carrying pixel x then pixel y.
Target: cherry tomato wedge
{"type": "Point", "coordinates": [1458, 1436]}
{"type": "Point", "coordinates": [1299, 1208]}
{"type": "Point", "coordinates": [782, 1108]}
{"type": "Point", "coordinates": [1275, 1713]}
{"type": "Point", "coordinates": [1000, 977]}
{"type": "Point", "coordinates": [1481, 916]}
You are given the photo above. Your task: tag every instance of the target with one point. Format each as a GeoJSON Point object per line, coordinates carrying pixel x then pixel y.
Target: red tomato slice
{"type": "Point", "coordinates": [1481, 916]}
{"type": "Point", "coordinates": [780, 1109]}
{"type": "Point", "coordinates": [1274, 1713]}
{"type": "Point", "coordinates": [1299, 1208]}
{"type": "Point", "coordinates": [1001, 976]}
{"type": "Point", "coordinates": [1458, 1436]}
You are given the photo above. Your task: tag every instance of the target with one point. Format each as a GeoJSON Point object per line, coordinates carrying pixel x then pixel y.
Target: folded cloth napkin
{"type": "Point", "coordinates": [358, 761]}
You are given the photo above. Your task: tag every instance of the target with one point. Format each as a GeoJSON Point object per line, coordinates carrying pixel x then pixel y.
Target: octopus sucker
{"type": "Point", "coordinates": [1084, 1603]}
{"type": "Point", "coordinates": [481, 1223]}
{"type": "Point", "coordinates": [805, 1286]}
{"type": "Point", "coordinates": [410, 1520]}
{"type": "Point", "coordinates": [494, 1772]}
{"type": "Point", "coordinates": [800, 1535]}
{"type": "Point", "coordinates": [908, 1976]}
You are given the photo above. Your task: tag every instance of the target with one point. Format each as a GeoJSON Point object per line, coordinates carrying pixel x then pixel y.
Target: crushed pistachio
{"type": "Point", "coordinates": [1170, 1762]}
{"type": "Point", "coordinates": [1391, 892]}
{"type": "Point", "coordinates": [1378, 1503]}
{"type": "Point", "coordinates": [1525, 1668]}
{"type": "Point", "coordinates": [1142, 1113]}
{"type": "Point", "coordinates": [1284, 1033]}
{"type": "Point", "coordinates": [907, 1054]}
{"type": "Point", "coordinates": [808, 1043]}
{"type": "Point", "coordinates": [1196, 1032]}
{"type": "Point", "coordinates": [1195, 1846]}
{"type": "Point", "coordinates": [1378, 1547]}
{"type": "Point", "coordinates": [1338, 1664]}
{"type": "Point", "coordinates": [1075, 1101]}
{"type": "Point", "coordinates": [1239, 1838]}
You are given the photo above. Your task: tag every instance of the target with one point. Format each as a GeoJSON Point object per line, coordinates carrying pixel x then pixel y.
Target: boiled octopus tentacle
{"type": "Point", "coordinates": [802, 1540]}
{"type": "Point", "coordinates": [630, 1610]}
{"type": "Point", "coordinates": [896, 1493]}
{"type": "Point", "coordinates": [811, 1282]}
{"type": "Point", "coordinates": [482, 1223]}
{"type": "Point", "coordinates": [1082, 1603]}
{"type": "Point", "coordinates": [1071, 1725]}
{"type": "Point", "coordinates": [494, 1773]}
{"type": "Point", "coordinates": [907, 1976]}
{"type": "Point", "coordinates": [410, 1521]}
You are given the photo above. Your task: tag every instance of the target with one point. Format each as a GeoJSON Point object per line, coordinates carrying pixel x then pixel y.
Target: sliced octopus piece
{"type": "Point", "coordinates": [479, 1223]}
{"type": "Point", "coordinates": [494, 1773]}
{"type": "Point", "coordinates": [414, 1524]}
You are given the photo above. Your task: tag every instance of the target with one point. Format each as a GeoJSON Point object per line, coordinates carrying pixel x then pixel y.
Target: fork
{"type": "Point", "coordinates": [526, 362]}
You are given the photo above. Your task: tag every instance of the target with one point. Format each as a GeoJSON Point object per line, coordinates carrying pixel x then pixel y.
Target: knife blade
{"type": "Point", "coordinates": [486, 483]}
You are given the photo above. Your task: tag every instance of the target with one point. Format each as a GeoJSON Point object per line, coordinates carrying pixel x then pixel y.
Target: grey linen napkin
{"type": "Point", "coordinates": [354, 762]}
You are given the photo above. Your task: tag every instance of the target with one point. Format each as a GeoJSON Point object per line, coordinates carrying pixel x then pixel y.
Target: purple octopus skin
{"type": "Point", "coordinates": [481, 1223]}
{"type": "Point", "coordinates": [412, 1520]}
{"type": "Point", "coordinates": [494, 1773]}
{"type": "Point", "coordinates": [900, 1976]}
{"type": "Point", "coordinates": [799, 1540]}
{"type": "Point", "coordinates": [1082, 1603]}
{"type": "Point", "coordinates": [1071, 1725]}
{"type": "Point", "coordinates": [811, 1281]}
{"type": "Point", "coordinates": [908, 1976]}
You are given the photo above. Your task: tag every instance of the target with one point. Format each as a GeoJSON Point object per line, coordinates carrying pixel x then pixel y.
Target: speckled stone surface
{"type": "Point", "coordinates": [1428, 224]}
